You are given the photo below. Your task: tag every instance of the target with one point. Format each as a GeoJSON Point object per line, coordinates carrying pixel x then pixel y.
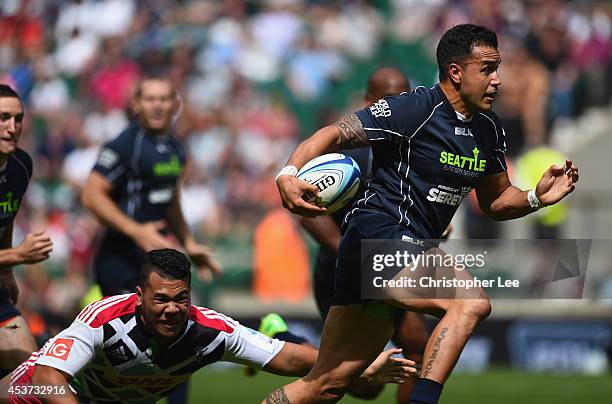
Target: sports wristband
{"type": "Point", "coordinates": [533, 200]}
{"type": "Point", "coordinates": [287, 170]}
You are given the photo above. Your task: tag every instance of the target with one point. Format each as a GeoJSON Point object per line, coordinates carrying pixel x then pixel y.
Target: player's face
{"type": "Point", "coordinates": [479, 79]}
{"type": "Point", "coordinates": [164, 304]}
{"type": "Point", "coordinates": [11, 121]}
{"type": "Point", "coordinates": [156, 105]}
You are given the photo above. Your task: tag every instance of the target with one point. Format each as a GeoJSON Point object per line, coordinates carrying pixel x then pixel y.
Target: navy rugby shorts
{"type": "Point", "coordinates": [365, 224]}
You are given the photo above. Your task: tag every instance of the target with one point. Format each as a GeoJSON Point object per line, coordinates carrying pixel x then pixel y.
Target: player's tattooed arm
{"type": "Point", "coordinates": [352, 134]}
{"type": "Point", "coordinates": [278, 396]}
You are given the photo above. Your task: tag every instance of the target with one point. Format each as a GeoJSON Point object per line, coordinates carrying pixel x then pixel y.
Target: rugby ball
{"type": "Point", "coordinates": [336, 176]}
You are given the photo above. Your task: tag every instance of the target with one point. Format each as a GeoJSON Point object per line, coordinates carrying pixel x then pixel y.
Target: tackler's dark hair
{"type": "Point", "coordinates": [167, 263]}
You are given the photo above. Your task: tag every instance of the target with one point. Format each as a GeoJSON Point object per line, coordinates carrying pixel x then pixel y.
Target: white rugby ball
{"type": "Point", "coordinates": [336, 176]}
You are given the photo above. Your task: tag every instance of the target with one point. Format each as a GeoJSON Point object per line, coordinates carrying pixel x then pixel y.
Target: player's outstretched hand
{"type": "Point", "coordinates": [556, 183]}
{"type": "Point", "coordinates": [292, 189]}
{"type": "Point", "coordinates": [35, 247]}
{"type": "Point", "coordinates": [148, 237]}
{"type": "Point", "coordinates": [386, 369]}
{"type": "Point", "coordinates": [203, 258]}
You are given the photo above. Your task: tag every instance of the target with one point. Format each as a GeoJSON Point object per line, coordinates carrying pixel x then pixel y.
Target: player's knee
{"type": "Point", "coordinates": [472, 311]}
{"type": "Point", "coordinates": [479, 309]}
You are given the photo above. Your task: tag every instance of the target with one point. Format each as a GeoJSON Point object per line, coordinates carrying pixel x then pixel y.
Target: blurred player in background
{"type": "Point", "coordinates": [410, 329]}
{"type": "Point", "coordinates": [15, 172]}
{"type": "Point", "coordinates": [134, 189]}
{"type": "Point", "coordinates": [138, 347]}
{"type": "Point", "coordinates": [415, 191]}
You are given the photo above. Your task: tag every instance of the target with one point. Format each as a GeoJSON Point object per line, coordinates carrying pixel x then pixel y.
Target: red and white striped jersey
{"type": "Point", "coordinates": [112, 357]}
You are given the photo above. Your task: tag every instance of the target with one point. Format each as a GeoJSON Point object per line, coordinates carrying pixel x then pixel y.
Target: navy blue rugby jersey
{"type": "Point", "coordinates": [144, 170]}
{"type": "Point", "coordinates": [363, 158]}
{"type": "Point", "coordinates": [14, 180]}
{"type": "Point", "coordinates": [426, 158]}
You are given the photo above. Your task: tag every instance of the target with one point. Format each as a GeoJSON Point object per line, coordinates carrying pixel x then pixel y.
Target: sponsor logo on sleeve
{"type": "Point", "coordinates": [380, 108]}
{"type": "Point", "coordinates": [60, 348]}
{"type": "Point", "coordinates": [108, 158]}
{"type": "Point", "coordinates": [259, 340]}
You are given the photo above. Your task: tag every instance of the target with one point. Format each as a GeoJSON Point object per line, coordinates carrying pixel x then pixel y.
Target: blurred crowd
{"type": "Point", "coordinates": [255, 77]}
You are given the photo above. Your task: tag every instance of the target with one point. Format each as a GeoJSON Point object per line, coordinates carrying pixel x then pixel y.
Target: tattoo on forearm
{"type": "Point", "coordinates": [434, 353]}
{"type": "Point", "coordinates": [278, 396]}
{"type": "Point", "coordinates": [351, 132]}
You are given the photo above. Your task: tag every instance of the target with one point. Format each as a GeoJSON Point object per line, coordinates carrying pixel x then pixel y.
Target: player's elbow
{"type": "Point", "coordinates": [47, 375]}
{"type": "Point", "coordinates": [298, 367]}
{"type": "Point", "coordinates": [327, 137]}
{"type": "Point", "coordinates": [497, 210]}
{"type": "Point", "coordinates": [93, 190]}
{"type": "Point", "coordinates": [495, 215]}
{"type": "Point", "coordinates": [87, 192]}
{"type": "Point", "coordinates": [293, 360]}
{"type": "Point", "coordinates": [86, 198]}
{"type": "Point", "coordinates": [302, 361]}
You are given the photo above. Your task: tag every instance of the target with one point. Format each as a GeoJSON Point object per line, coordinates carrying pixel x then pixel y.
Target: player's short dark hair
{"type": "Point", "coordinates": [167, 263]}
{"type": "Point", "coordinates": [458, 43]}
{"type": "Point", "coordinates": [152, 77]}
{"type": "Point", "coordinates": [8, 91]}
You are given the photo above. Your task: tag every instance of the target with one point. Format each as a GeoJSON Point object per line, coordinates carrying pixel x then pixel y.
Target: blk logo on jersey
{"type": "Point", "coordinates": [463, 131]}
{"type": "Point", "coordinates": [414, 241]}
{"type": "Point", "coordinates": [60, 348]}
{"type": "Point", "coordinates": [380, 108]}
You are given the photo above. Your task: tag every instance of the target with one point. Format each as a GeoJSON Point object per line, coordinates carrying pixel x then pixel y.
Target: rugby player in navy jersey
{"type": "Point", "coordinates": [410, 329]}
{"type": "Point", "coordinates": [134, 189]}
{"type": "Point", "coordinates": [430, 148]}
{"type": "Point", "coordinates": [138, 347]}
{"type": "Point", "coordinates": [15, 172]}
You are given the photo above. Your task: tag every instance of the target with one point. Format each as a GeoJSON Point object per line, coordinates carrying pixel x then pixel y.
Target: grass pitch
{"type": "Point", "coordinates": [498, 386]}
